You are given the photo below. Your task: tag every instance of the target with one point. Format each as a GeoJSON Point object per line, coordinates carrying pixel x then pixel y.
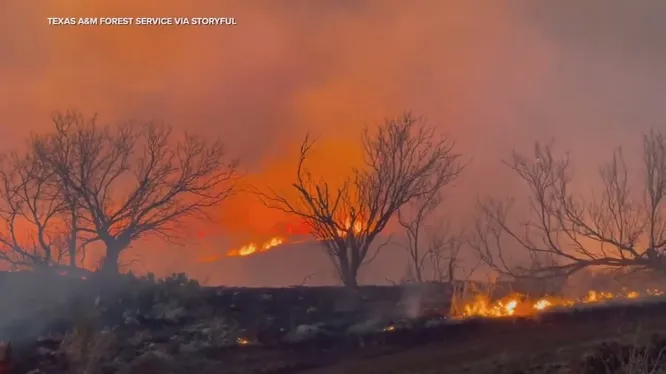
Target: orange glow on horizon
{"type": "Point", "coordinates": [328, 69]}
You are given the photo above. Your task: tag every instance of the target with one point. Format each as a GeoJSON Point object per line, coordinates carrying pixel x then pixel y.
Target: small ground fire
{"type": "Point", "coordinates": [517, 305]}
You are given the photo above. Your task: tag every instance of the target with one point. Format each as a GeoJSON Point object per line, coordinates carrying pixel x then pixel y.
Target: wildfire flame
{"type": "Point", "coordinates": [519, 305]}
{"type": "Point", "coordinates": [251, 248]}
{"type": "Point", "coordinates": [356, 228]}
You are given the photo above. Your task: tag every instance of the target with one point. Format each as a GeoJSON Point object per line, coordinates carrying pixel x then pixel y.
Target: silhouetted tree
{"type": "Point", "coordinates": [616, 228]}
{"type": "Point", "coordinates": [404, 159]}
{"type": "Point", "coordinates": [31, 210]}
{"type": "Point", "coordinates": [430, 244]}
{"type": "Point", "coordinates": [128, 181]}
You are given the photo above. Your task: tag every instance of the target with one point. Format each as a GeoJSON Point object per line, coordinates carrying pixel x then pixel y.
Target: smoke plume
{"type": "Point", "coordinates": [492, 75]}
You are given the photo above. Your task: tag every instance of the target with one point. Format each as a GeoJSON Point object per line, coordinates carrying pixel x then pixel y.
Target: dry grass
{"type": "Point", "coordinates": [463, 292]}
{"type": "Point", "coordinates": [86, 347]}
{"type": "Point", "coordinates": [640, 363]}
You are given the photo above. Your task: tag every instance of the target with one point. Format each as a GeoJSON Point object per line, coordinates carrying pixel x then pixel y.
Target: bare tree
{"type": "Point", "coordinates": [31, 212]}
{"type": "Point", "coordinates": [404, 159]}
{"type": "Point", "coordinates": [617, 228]}
{"type": "Point", "coordinates": [443, 252]}
{"type": "Point", "coordinates": [124, 182]}
{"type": "Point", "coordinates": [425, 245]}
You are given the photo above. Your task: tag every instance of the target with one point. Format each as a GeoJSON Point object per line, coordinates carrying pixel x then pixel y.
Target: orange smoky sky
{"type": "Point", "coordinates": [493, 75]}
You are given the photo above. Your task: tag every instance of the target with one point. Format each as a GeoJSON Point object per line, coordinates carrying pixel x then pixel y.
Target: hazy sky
{"type": "Point", "coordinates": [495, 75]}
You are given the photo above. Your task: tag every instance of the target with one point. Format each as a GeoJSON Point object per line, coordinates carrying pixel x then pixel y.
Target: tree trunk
{"type": "Point", "coordinates": [452, 270]}
{"type": "Point", "coordinates": [350, 282]}
{"type": "Point", "coordinates": [349, 276]}
{"type": "Point", "coordinates": [346, 266]}
{"type": "Point", "coordinates": [110, 261]}
{"type": "Point", "coordinates": [42, 267]}
{"type": "Point", "coordinates": [417, 273]}
{"type": "Point", "coordinates": [72, 243]}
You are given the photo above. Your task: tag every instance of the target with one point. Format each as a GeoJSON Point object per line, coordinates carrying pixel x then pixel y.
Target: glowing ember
{"type": "Point", "coordinates": [519, 305]}
{"type": "Point", "coordinates": [242, 341]}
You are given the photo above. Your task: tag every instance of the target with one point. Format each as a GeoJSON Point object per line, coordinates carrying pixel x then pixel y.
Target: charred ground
{"type": "Point", "coordinates": [132, 325]}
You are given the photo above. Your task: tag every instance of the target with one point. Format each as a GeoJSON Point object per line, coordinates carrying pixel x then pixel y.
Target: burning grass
{"type": "Point", "coordinates": [252, 247]}
{"type": "Point", "coordinates": [518, 305]}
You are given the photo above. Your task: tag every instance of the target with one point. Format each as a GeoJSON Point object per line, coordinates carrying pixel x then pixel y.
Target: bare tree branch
{"type": "Point", "coordinates": [423, 246]}
{"type": "Point", "coordinates": [129, 181]}
{"type": "Point", "coordinates": [617, 228]}
{"type": "Point", "coordinates": [444, 255]}
{"type": "Point", "coordinates": [404, 160]}
{"type": "Point", "coordinates": [32, 235]}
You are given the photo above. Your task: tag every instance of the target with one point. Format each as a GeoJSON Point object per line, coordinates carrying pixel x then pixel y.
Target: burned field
{"type": "Point", "coordinates": [173, 326]}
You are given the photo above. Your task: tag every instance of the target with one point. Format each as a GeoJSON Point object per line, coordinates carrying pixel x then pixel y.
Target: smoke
{"type": "Point", "coordinates": [492, 75]}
